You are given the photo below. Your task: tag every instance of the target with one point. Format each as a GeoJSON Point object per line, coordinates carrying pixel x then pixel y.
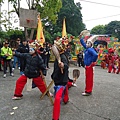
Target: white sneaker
{"type": "Point", "coordinates": [4, 75]}
{"type": "Point", "coordinates": [86, 94]}
{"type": "Point", "coordinates": [11, 74]}
{"type": "Point", "coordinates": [51, 94]}
{"type": "Point", "coordinates": [13, 69]}
{"type": "Point", "coordinates": [74, 85]}
{"type": "Point", "coordinates": [16, 98]}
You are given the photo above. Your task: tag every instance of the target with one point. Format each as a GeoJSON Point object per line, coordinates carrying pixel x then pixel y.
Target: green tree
{"type": "Point", "coordinates": [72, 13]}
{"type": "Point", "coordinates": [48, 9]}
{"type": "Point", "coordinates": [100, 29]}
{"type": "Point", "coordinates": [14, 34]}
{"type": "Point", "coordinates": [113, 28]}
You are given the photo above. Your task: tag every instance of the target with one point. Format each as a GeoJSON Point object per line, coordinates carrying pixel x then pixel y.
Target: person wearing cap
{"type": "Point", "coordinates": [6, 54]}
{"type": "Point", "coordinates": [90, 58]}
{"type": "Point", "coordinates": [34, 64]}
{"type": "Point", "coordinates": [60, 78]}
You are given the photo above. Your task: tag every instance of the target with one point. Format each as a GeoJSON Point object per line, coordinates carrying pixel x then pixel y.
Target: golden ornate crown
{"type": "Point", "coordinates": [60, 44]}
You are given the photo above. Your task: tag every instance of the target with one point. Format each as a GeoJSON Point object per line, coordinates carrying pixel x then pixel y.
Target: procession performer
{"type": "Point", "coordinates": [34, 64]}
{"type": "Point", "coordinates": [60, 77]}
{"type": "Point", "coordinates": [110, 60]}
{"type": "Point", "coordinates": [118, 66]}
{"type": "Point", "coordinates": [90, 58]}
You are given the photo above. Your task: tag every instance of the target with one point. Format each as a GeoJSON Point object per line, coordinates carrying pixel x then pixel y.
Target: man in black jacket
{"type": "Point", "coordinates": [34, 64]}
{"type": "Point", "coordinates": [23, 48]}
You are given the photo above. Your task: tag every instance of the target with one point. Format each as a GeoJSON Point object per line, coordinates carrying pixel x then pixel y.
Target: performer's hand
{"type": "Point", "coordinates": [61, 65]}
{"type": "Point", "coordinates": [43, 77]}
{"type": "Point", "coordinates": [80, 36]}
{"type": "Point", "coordinates": [93, 64]}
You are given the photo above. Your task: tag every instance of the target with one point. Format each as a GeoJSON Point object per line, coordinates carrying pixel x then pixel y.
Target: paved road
{"type": "Point", "coordinates": [103, 104]}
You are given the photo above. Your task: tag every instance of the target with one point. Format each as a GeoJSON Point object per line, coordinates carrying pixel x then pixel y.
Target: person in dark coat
{"type": "Point", "coordinates": [60, 77]}
{"type": "Point", "coordinates": [44, 53]}
{"type": "Point", "coordinates": [34, 64]}
{"type": "Point", "coordinates": [23, 48]}
{"type": "Point", "coordinates": [80, 59]}
{"type": "Point", "coordinates": [48, 48]}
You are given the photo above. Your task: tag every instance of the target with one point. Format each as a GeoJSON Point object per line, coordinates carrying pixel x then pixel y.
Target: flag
{"type": "Point", "coordinates": [40, 36]}
{"type": "Point", "coordinates": [64, 34]}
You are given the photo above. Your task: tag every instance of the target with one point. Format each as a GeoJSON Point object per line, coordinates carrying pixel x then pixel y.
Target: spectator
{"type": "Point", "coordinates": [48, 48]}
{"type": "Point", "coordinates": [44, 53]}
{"type": "Point", "coordinates": [80, 59]}
{"type": "Point", "coordinates": [23, 48]}
{"type": "Point", "coordinates": [15, 59]}
{"type": "Point", "coordinates": [0, 57]}
{"type": "Point", "coordinates": [6, 54]}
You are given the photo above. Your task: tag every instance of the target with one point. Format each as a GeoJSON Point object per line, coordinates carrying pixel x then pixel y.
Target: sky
{"type": "Point", "coordinates": [93, 13]}
{"type": "Point", "coordinates": [98, 14]}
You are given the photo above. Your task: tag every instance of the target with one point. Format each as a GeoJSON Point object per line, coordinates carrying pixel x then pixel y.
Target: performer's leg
{"type": "Point", "coordinates": [110, 69]}
{"type": "Point", "coordinates": [118, 70]}
{"type": "Point", "coordinates": [89, 79]}
{"type": "Point", "coordinates": [69, 84]}
{"type": "Point", "coordinates": [114, 70]}
{"type": "Point", "coordinates": [104, 65]}
{"type": "Point", "coordinates": [40, 84]}
{"type": "Point", "coordinates": [66, 97]}
{"type": "Point", "coordinates": [57, 101]}
{"type": "Point", "coordinates": [20, 83]}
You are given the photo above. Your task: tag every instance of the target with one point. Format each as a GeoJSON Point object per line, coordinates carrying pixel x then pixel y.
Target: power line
{"type": "Point", "coordinates": [102, 17]}
{"type": "Point", "coordinates": [100, 3]}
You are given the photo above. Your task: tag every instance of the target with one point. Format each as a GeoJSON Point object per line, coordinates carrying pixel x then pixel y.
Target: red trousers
{"type": "Point", "coordinates": [22, 80]}
{"type": "Point", "coordinates": [103, 64]}
{"type": "Point", "coordinates": [89, 78]}
{"type": "Point", "coordinates": [110, 66]}
{"type": "Point", "coordinates": [118, 70]}
{"type": "Point", "coordinates": [114, 70]}
{"type": "Point", "coordinates": [61, 93]}
{"type": "Point", "coordinates": [69, 84]}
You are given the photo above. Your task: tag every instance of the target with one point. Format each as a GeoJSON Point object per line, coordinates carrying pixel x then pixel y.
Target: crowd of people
{"type": "Point", "coordinates": [32, 59]}
{"type": "Point", "coordinates": [111, 61]}
{"type": "Point", "coordinates": [7, 59]}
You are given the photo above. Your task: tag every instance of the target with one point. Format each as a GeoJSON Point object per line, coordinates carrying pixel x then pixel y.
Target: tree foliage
{"type": "Point", "coordinates": [100, 29]}
{"type": "Point", "coordinates": [113, 28]}
{"type": "Point", "coordinates": [48, 10]}
{"type": "Point", "coordinates": [72, 13]}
